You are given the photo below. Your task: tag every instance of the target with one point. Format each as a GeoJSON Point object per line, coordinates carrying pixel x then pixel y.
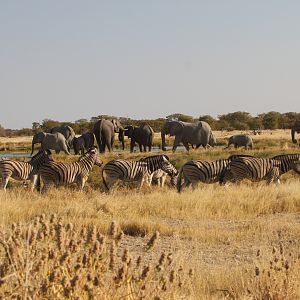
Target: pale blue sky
{"type": "Point", "coordinates": [67, 60]}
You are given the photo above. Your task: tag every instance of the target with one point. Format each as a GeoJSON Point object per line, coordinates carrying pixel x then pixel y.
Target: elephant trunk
{"type": "Point", "coordinates": [163, 140]}
{"type": "Point", "coordinates": [32, 148]}
{"type": "Point", "coordinates": [293, 136]}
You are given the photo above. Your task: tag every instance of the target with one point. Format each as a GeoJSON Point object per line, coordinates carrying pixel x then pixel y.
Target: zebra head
{"type": "Point", "coordinates": [168, 167]}
{"type": "Point", "coordinates": [41, 157]}
{"type": "Point", "coordinates": [296, 167]}
{"type": "Point", "coordinates": [92, 156]}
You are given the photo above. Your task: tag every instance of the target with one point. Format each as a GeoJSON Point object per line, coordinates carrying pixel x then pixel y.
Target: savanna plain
{"type": "Point", "coordinates": [235, 242]}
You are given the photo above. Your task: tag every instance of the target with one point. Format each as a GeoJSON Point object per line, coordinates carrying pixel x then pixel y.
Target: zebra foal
{"type": "Point", "coordinates": [138, 171]}
{"type": "Point", "coordinates": [254, 169]}
{"type": "Point", "coordinates": [58, 173]}
{"type": "Point", "coordinates": [23, 171]}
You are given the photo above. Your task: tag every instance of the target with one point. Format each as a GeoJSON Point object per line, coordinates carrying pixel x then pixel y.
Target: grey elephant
{"type": "Point", "coordinates": [211, 143]}
{"type": "Point", "coordinates": [295, 129]}
{"type": "Point", "coordinates": [67, 131]}
{"type": "Point", "coordinates": [142, 135]}
{"type": "Point", "coordinates": [104, 131]}
{"type": "Point", "coordinates": [84, 142]}
{"type": "Point", "coordinates": [198, 133]}
{"type": "Point", "coordinates": [240, 140]}
{"type": "Point", "coordinates": [54, 141]}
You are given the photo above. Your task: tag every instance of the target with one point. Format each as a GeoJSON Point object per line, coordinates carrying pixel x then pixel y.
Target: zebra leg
{"type": "Point", "coordinates": [140, 183]}
{"type": "Point", "coordinates": [194, 184]}
{"type": "Point", "coordinates": [33, 181]}
{"type": "Point", "coordinates": [5, 182]}
{"type": "Point", "coordinates": [162, 180]}
{"type": "Point", "coordinates": [81, 182]}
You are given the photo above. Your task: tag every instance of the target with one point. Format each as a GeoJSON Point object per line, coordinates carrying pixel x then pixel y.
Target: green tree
{"type": "Point", "coordinates": [271, 120]}
{"type": "Point", "coordinates": [181, 117]}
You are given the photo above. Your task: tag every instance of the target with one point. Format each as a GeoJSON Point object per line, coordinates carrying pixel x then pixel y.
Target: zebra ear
{"type": "Point", "coordinates": [166, 157]}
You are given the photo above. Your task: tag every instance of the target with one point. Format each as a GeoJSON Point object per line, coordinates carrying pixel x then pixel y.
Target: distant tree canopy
{"type": "Point", "coordinates": [238, 120]}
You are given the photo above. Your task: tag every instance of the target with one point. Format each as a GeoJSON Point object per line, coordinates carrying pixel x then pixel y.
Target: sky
{"type": "Point", "coordinates": [67, 60]}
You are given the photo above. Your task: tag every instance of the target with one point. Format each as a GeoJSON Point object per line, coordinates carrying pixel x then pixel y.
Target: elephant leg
{"type": "Point", "coordinates": [102, 147]}
{"type": "Point", "coordinates": [176, 142]}
{"type": "Point", "coordinates": [186, 145]}
{"type": "Point", "coordinates": [145, 149]}
{"type": "Point", "coordinates": [150, 147]}
{"type": "Point", "coordinates": [132, 144]}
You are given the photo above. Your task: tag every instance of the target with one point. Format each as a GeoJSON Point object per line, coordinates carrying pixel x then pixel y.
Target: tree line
{"type": "Point", "coordinates": [231, 121]}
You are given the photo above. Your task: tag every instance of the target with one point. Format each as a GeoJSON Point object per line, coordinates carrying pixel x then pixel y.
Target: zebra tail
{"type": "Point", "coordinates": [179, 186]}
{"type": "Point", "coordinates": [104, 182]}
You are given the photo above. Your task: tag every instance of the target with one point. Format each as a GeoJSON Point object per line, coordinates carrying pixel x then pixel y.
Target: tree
{"type": "Point", "coordinates": [181, 117]}
{"type": "Point", "coordinates": [271, 120]}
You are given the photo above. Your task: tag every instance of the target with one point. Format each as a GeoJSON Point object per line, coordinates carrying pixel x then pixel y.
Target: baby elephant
{"type": "Point", "coordinates": [84, 142]}
{"type": "Point", "coordinates": [241, 140]}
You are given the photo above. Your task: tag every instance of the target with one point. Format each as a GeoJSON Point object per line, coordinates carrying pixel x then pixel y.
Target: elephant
{"type": "Point", "coordinates": [198, 133]}
{"type": "Point", "coordinates": [295, 129]}
{"type": "Point", "coordinates": [211, 143]}
{"type": "Point", "coordinates": [67, 132]}
{"type": "Point", "coordinates": [143, 135]}
{"type": "Point", "coordinates": [84, 142]}
{"type": "Point", "coordinates": [104, 131]}
{"type": "Point", "coordinates": [54, 141]}
{"type": "Point", "coordinates": [240, 140]}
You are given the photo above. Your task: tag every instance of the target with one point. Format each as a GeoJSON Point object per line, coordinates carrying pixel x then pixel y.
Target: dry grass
{"type": "Point", "coordinates": [226, 235]}
{"type": "Point", "coordinates": [214, 230]}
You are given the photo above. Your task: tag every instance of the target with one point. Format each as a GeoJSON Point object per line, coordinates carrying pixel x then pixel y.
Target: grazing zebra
{"type": "Point", "coordinates": [58, 173]}
{"type": "Point", "coordinates": [288, 162]}
{"type": "Point", "coordinates": [254, 169]}
{"type": "Point", "coordinates": [22, 171]}
{"type": "Point", "coordinates": [139, 171]}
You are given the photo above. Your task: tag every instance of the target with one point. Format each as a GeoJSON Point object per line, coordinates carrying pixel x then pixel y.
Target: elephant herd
{"type": "Point", "coordinates": [62, 138]}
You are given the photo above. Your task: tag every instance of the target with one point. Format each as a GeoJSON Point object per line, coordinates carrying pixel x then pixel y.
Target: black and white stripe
{"type": "Point", "coordinates": [138, 171]}
{"type": "Point", "coordinates": [58, 173]}
{"type": "Point", "coordinates": [288, 162]}
{"type": "Point", "coordinates": [23, 171]}
{"type": "Point", "coordinates": [205, 171]}
{"type": "Point", "coordinates": [254, 169]}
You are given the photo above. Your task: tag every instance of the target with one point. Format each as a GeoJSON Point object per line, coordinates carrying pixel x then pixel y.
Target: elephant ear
{"type": "Point", "coordinates": [176, 128]}
{"type": "Point", "coordinates": [114, 122]}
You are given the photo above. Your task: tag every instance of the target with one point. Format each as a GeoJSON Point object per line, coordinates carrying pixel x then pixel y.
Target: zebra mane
{"type": "Point", "coordinates": [154, 156]}
{"type": "Point", "coordinates": [280, 156]}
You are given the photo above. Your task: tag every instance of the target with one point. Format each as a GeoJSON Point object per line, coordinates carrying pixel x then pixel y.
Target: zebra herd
{"type": "Point", "coordinates": [147, 170]}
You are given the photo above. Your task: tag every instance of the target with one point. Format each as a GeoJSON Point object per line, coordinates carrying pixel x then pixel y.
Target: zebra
{"type": "Point", "coordinates": [205, 171]}
{"type": "Point", "coordinates": [159, 178]}
{"type": "Point", "coordinates": [254, 169]}
{"type": "Point", "coordinates": [23, 171]}
{"type": "Point", "coordinates": [59, 173]}
{"type": "Point", "coordinates": [138, 171]}
{"type": "Point", "coordinates": [288, 162]}
{"type": "Point", "coordinates": [202, 170]}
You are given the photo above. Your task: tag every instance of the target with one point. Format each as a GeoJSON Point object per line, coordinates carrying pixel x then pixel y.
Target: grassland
{"type": "Point", "coordinates": [242, 242]}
